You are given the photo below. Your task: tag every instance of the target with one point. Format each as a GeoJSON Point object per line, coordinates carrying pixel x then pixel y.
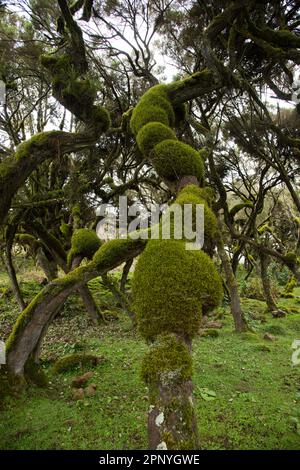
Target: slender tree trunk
{"type": "Point", "coordinates": [235, 303]}
{"type": "Point", "coordinates": [125, 273]}
{"type": "Point", "coordinates": [91, 307]}
{"type": "Point", "coordinates": [49, 267]}
{"type": "Point", "coordinates": [119, 296]}
{"type": "Point", "coordinates": [13, 279]}
{"type": "Point", "coordinates": [271, 304]}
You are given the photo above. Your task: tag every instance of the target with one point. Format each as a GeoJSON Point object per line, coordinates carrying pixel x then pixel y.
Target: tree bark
{"type": "Point", "coordinates": [13, 279]}
{"type": "Point", "coordinates": [172, 423]}
{"type": "Point", "coordinates": [235, 303]}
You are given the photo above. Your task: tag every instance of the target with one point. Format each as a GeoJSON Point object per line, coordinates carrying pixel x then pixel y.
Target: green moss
{"type": "Point", "coordinates": [79, 95]}
{"type": "Point", "coordinates": [264, 228]}
{"type": "Point", "coordinates": [6, 166]}
{"type": "Point", "coordinates": [238, 207]}
{"type": "Point", "coordinates": [37, 142]}
{"type": "Point", "coordinates": [101, 115]}
{"type": "Point", "coordinates": [125, 124]}
{"type": "Point", "coordinates": [144, 114]}
{"type": "Point", "coordinates": [168, 361]}
{"type": "Point", "coordinates": [173, 160]}
{"type": "Point", "coordinates": [152, 134]}
{"type": "Point", "coordinates": [171, 286]}
{"type": "Point", "coordinates": [23, 320]}
{"type": "Point", "coordinates": [210, 332]}
{"type": "Point", "coordinates": [85, 242]}
{"type": "Point", "coordinates": [65, 229]}
{"type": "Point", "coordinates": [189, 197]}
{"type": "Point", "coordinates": [203, 193]}
{"type": "Point", "coordinates": [290, 286]}
{"type": "Point", "coordinates": [73, 361]}
{"type": "Point", "coordinates": [111, 251]}
{"type": "Point", "coordinates": [157, 96]}
{"type": "Point", "coordinates": [290, 258]}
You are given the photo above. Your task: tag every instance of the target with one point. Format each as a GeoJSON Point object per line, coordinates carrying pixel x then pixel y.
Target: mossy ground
{"type": "Point", "coordinates": [247, 397]}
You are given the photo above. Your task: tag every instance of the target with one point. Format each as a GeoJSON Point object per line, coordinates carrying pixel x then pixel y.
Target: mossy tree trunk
{"type": "Point", "coordinates": [235, 303]}
{"type": "Point", "coordinates": [33, 321]}
{"type": "Point", "coordinates": [172, 422]}
{"type": "Point", "coordinates": [13, 279]}
{"type": "Point", "coordinates": [265, 279]}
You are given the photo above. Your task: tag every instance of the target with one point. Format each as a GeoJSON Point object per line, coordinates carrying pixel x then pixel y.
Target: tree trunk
{"type": "Point", "coordinates": [87, 298]}
{"type": "Point", "coordinates": [271, 304]}
{"type": "Point", "coordinates": [119, 296]}
{"type": "Point", "coordinates": [91, 307]}
{"type": "Point", "coordinates": [49, 267]}
{"type": "Point", "coordinates": [266, 283]}
{"type": "Point", "coordinates": [235, 303]}
{"type": "Point", "coordinates": [13, 279]}
{"type": "Point", "coordinates": [172, 423]}
{"type": "Point", "coordinates": [125, 273]}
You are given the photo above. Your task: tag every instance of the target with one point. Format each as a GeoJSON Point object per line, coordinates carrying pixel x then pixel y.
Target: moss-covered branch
{"type": "Point", "coordinates": [30, 323]}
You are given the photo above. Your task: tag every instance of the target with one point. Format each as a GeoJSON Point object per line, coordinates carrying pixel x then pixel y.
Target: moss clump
{"type": "Point", "coordinates": [81, 91]}
{"type": "Point", "coordinates": [73, 361]}
{"type": "Point", "coordinates": [42, 139]}
{"type": "Point", "coordinates": [290, 258]}
{"type": "Point", "coordinates": [290, 286]}
{"type": "Point", "coordinates": [144, 114]}
{"type": "Point", "coordinates": [65, 229]}
{"type": "Point", "coordinates": [210, 332]}
{"type": "Point", "coordinates": [85, 242]}
{"type": "Point", "coordinates": [168, 362]}
{"type": "Point", "coordinates": [152, 134]}
{"type": "Point", "coordinates": [171, 286]}
{"type": "Point", "coordinates": [157, 96]}
{"type": "Point", "coordinates": [203, 193]}
{"type": "Point", "coordinates": [173, 160]}
{"type": "Point", "coordinates": [101, 115]}
{"type": "Point", "coordinates": [190, 197]}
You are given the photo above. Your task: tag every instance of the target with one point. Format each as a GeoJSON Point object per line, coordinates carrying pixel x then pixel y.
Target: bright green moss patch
{"type": "Point", "coordinates": [74, 361]}
{"type": "Point", "coordinates": [206, 193]}
{"type": "Point", "coordinates": [144, 114]}
{"type": "Point", "coordinates": [152, 134]}
{"type": "Point", "coordinates": [171, 286]}
{"type": "Point", "coordinates": [168, 361]}
{"type": "Point", "coordinates": [173, 160]}
{"type": "Point", "coordinates": [112, 250]}
{"type": "Point", "coordinates": [189, 197]}
{"type": "Point", "coordinates": [85, 242]}
{"type": "Point", "coordinates": [37, 142]}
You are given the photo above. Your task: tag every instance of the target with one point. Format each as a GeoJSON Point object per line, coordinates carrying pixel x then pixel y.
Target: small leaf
{"type": "Point", "coordinates": [207, 394]}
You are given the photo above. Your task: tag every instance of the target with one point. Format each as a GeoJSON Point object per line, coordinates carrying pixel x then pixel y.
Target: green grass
{"type": "Point", "coordinates": [255, 404]}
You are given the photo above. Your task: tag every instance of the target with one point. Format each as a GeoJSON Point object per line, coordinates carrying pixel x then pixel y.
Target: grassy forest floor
{"type": "Point", "coordinates": [247, 390]}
